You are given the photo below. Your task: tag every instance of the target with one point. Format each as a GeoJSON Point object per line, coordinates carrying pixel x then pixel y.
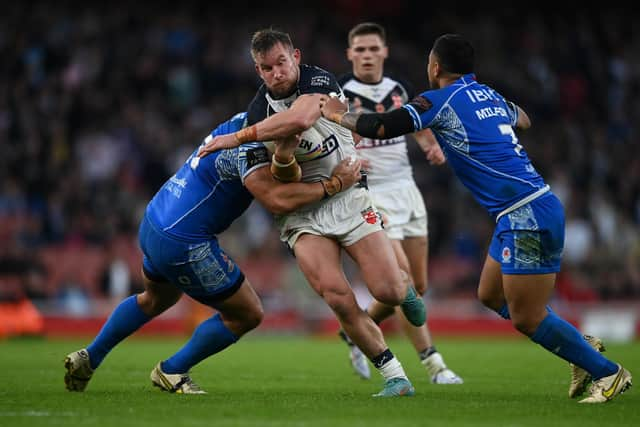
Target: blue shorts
{"type": "Point", "coordinates": [530, 239]}
{"type": "Point", "coordinates": [200, 269]}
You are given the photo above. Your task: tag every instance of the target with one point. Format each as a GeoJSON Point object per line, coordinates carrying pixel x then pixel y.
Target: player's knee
{"type": "Point", "coordinates": [489, 300]}
{"type": "Point", "coordinates": [524, 324]}
{"type": "Point", "coordinates": [341, 303]}
{"type": "Point", "coordinates": [252, 319]}
{"type": "Point", "coordinates": [155, 303]}
{"type": "Point", "coordinates": [421, 287]}
{"type": "Point", "coordinates": [390, 293]}
{"type": "Point", "coordinates": [242, 321]}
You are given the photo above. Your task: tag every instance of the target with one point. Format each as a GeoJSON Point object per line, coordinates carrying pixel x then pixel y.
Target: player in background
{"type": "Point", "coordinates": [289, 103]}
{"type": "Point", "coordinates": [393, 189]}
{"type": "Point", "coordinates": [474, 125]}
{"type": "Point", "coordinates": [181, 255]}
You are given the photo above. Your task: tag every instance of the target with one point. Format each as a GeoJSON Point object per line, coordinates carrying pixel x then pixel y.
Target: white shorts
{"type": "Point", "coordinates": [346, 217]}
{"type": "Point", "coordinates": [405, 211]}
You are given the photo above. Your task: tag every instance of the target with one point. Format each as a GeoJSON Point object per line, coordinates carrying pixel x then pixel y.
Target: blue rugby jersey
{"type": "Point", "coordinates": [474, 126]}
{"type": "Point", "coordinates": [207, 194]}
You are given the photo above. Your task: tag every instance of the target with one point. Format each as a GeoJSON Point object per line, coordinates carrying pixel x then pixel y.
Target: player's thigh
{"type": "Point", "coordinates": [490, 290]}
{"type": "Point", "coordinates": [319, 260]}
{"type": "Point", "coordinates": [416, 250]}
{"type": "Point", "coordinates": [377, 261]}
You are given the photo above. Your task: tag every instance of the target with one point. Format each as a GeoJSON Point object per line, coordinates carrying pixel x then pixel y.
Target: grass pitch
{"type": "Point", "coordinates": [301, 381]}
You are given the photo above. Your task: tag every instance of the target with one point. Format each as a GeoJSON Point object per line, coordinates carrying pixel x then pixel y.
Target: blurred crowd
{"type": "Point", "coordinates": [100, 104]}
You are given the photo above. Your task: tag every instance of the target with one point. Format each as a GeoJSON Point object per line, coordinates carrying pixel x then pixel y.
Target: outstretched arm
{"type": "Point", "coordinates": [299, 117]}
{"type": "Point", "coordinates": [371, 125]}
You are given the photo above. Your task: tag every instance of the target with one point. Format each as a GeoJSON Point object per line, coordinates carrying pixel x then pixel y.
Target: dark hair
{"type": "Point", "coordinates": [366, 28]}
{"type": "Point", "coordinates": [454, 53]}
{"type": "Point", "coordinates": [264, 40]}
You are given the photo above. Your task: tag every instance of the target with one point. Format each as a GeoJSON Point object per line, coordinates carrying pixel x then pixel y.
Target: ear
{"type": "Point", "coordinates": [297, 55]}
{"type": "Point", "coordinates": [385, 52]}
{"type": "Point", "coordinates": [437, 71]}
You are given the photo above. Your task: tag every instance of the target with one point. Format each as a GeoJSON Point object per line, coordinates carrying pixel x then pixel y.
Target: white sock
{"type": "Point", "coordinates": [392, 369]}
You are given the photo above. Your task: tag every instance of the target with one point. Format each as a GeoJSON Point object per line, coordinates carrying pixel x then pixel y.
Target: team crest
{"type": "Point", "coordinates": [369, 215]}
{"type": "Point", "coordinates": [229, 263]}
{"type": "Point", "coordinates": [506, 254]}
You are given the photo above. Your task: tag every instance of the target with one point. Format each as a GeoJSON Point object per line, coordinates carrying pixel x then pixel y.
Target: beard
{"type": "Point", "coordinates": [284, 88]}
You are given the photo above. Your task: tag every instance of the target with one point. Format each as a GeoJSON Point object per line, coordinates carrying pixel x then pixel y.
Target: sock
{"type": "Point", "coordinates": [504, 311]}
{"type": "Point", "coordinates": [388, 366]}
{"type": "Point", "coordinates": [125, 320]}
{"type": "Point", "coordinates": [561, 338]}
{"type": "Point", "coordinates": [346, 338]}
{"type": "Point", "coordinates": [427, 352]}
{"type": "Point", "coordinates": [210, 337]}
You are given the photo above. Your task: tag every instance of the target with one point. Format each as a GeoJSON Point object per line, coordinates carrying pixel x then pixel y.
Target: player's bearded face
{"type": "Point", "coordinates": [278, 68]}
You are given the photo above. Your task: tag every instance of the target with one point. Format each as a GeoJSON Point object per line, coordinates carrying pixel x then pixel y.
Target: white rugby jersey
{"type": "Point", "coordinates": [323, 145]}
{"type": "Point", "coordinates": [389, 159]}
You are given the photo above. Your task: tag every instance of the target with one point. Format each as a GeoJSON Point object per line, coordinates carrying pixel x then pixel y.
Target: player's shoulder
{"type": "Point", "coordinates": [345, 78]}
{"type": "Point", "coordinates": [257, 109]}
{"type": "Point", "coordinates": [234, 124]}
{"type": "Point", "coordinates": [314, 79]}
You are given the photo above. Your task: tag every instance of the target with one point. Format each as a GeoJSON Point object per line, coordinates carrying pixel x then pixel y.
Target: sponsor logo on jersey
{"type": "Point", "coordinates": [373, 143]}
{"type": "Point", "coordinates": [257, 156]}
{"type": "Point", "coordinates": [308, 150]}
{"type": "Point", "coordinates": [320, 80]}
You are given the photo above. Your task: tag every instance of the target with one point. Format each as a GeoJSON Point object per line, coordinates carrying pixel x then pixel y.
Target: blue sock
{"type": "Point", "coordinates": [210, 337]}
{"type": "Point", "coordinates": [561, 338]}
{"type": "Point", "coordinates": [125, 320]}
{"type": "Point", "coordinates": [504, 311]}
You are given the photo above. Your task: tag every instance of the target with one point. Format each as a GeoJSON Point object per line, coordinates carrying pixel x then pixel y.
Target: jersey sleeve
{"type": "Point", "coordinates": [252, 156]}
{"type": "Point", "coordinates": [317, 80]}
{"type": "Point", "coordinates": [421, 110]}
{"type": "Point", "coordinates": [512, 112]}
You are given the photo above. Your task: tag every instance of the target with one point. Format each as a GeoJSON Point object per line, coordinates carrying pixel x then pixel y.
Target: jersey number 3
{"type": "Point", "coordinates": [508, 130]}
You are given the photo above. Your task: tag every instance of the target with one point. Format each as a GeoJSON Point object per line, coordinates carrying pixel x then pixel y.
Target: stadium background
{"type": "Point", "coordinates": [99, 104]}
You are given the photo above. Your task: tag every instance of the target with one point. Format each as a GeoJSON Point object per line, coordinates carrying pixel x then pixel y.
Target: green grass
{"type": "Point", "coordinates": [287, 381]}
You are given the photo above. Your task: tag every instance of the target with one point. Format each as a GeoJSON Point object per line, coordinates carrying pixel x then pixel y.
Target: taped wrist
{"type": "Point", "coordinates": [332, 186]}
{"type": "Point", "coordinates": [249, 134]}
{"type": "Point", "coordinates": [286, 172]}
